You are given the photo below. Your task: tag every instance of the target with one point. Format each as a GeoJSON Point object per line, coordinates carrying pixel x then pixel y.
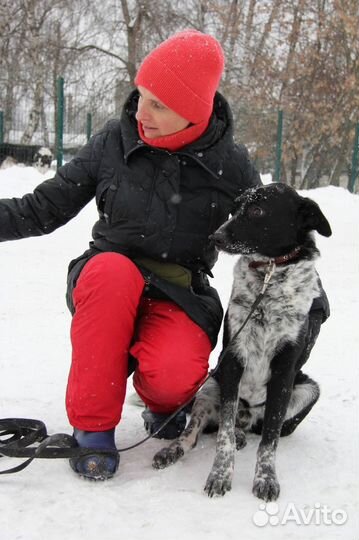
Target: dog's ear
{"type": "Point", "coordinates": [312, 218]}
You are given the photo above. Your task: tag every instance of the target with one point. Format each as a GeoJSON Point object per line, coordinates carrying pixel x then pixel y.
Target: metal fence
{"type": "Point", "coordinates": [69, 125]}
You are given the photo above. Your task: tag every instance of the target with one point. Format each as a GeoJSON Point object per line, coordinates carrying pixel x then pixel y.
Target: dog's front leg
{"type": "Point", "coordinates": [204, 412]}
{"type": "Point", "coordinates": [279, 389]}
{"type": "Point", "coordinates": [220, 479]}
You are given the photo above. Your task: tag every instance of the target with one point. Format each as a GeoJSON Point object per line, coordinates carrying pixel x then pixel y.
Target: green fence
{"type": "Point", "coordinates": [68, 126]}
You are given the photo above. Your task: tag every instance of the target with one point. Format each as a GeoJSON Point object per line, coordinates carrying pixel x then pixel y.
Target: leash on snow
{"type": "Point", "coordinates": [17, 434]}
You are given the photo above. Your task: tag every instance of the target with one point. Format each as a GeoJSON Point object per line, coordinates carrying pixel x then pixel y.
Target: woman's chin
{"type": "Point", "coordinates": [151, 133]}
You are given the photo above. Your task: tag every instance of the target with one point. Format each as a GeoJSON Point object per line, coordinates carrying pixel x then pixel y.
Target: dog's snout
{"type": "Point", "coordinates": [218, 238]}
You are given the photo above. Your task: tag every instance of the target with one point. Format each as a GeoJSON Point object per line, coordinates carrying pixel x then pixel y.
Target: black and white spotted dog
{"type": "Point", "coordinates": [29, 154]}
{"type": "Point", "coordinates": [259, 385]}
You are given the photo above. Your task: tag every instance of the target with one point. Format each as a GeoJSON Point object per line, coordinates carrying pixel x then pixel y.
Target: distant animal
{"type": "Point", "coordinates": [43, 157]}
{"type": "Point", "coordinates": [259, 386]}
{"type": "Point", "coordinates": [40, 156]}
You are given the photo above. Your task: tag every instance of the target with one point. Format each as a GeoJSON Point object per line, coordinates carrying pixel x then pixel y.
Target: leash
{"type": "Point", "coordinates": [18, 434]}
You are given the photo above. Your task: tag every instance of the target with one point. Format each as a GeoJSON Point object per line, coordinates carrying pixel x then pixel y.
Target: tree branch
{"type": "Point", "coordinates": [96, 48]}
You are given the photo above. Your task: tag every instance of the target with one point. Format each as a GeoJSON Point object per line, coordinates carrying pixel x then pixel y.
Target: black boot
{"type": "Point", "coordinates": [172, 430]}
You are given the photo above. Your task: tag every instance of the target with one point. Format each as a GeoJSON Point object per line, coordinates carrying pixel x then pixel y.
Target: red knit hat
{"type": "Point", "coordinates": [184, 73]}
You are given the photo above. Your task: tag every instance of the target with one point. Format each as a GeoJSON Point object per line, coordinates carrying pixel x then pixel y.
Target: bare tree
{"type": "Point", "coordinates": [297, 55]}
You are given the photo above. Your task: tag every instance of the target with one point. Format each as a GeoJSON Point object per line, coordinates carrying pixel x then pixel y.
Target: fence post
{"type": "Point", "coordinates": [60, 122]}
{"type": "Point", "coordinates": [88, 125]}
{"type": "Point", "coordinates": [278, 152]}
{"type": "Point", "coordinates": [354, 160]}
{"type": "Point", "coordinates": [1, 127]}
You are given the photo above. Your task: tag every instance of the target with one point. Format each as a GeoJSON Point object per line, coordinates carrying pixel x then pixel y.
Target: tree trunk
{"type": "Point", "coordinates": [45, 129]}
{"type": "Point", "coordinates": [293, 40]}
{"type": "Point", "coordinates": [340, 163]}
{"type": "Point", "coordinates": [35, 114]}
{"type": "Point", "coordinates": [266, 31]}
{"type": "Point", "coordinates": [133, 28]}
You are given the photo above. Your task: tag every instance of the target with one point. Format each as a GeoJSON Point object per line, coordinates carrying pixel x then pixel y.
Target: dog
{"type": "Point", "coordinates": [258, 385]}
{"type": "Point", "coordinates": [43, 157]}
{"type": "Point", "coordinates": [38, 156]}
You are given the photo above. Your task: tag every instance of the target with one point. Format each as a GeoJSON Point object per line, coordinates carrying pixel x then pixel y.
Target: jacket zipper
{"type": "Point", "coordinates": [149, 202]}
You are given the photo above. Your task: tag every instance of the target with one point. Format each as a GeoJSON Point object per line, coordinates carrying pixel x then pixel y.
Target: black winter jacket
{"type": "Point", "coordinates": [151, 203]}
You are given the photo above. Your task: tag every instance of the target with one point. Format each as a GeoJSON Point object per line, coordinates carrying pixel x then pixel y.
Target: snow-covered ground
{"type": "Point", "coordinates": [317, 465]}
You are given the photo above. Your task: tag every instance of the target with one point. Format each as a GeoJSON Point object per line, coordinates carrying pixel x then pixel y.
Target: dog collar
{"type": "Point", "coordinates": [282, 259]}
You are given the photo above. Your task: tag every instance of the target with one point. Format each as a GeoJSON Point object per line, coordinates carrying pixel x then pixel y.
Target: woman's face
{"type": "Point", "coordinates": [156, 119]}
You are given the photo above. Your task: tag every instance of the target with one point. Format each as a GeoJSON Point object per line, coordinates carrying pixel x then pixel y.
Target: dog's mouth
{"type": "Point", "coordinates": [228, 245]}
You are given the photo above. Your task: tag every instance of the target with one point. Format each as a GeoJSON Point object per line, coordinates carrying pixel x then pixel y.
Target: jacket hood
{"type": "Point", "coordinates": [204, 150]}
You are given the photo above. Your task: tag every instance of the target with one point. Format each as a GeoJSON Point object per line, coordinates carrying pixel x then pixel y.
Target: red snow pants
{"type": "Point", "coordinates": [112, 319]}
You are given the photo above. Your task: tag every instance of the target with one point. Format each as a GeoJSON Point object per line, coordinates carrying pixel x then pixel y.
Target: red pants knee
{"type": "Point", "coordinates": [111, 319]}
{"type": "Point", "coordinates": [172, 353]}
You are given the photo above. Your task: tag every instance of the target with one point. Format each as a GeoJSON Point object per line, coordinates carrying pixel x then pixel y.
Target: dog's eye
{"type": "Point", "coordinates": [255, 211]}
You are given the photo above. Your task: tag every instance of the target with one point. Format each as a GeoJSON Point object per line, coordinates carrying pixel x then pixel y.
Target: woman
{"type": "Point", "coordinates": [165, 176]}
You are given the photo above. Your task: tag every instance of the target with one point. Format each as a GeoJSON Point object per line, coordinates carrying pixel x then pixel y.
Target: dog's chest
{"type": "Point", "coordinates": [277, 320]}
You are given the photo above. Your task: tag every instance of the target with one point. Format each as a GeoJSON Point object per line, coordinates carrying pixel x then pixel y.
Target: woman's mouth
{"type": "Point", "coordinates": [148, 128]}
{"type": "Point", "coordinates": [149, 131]}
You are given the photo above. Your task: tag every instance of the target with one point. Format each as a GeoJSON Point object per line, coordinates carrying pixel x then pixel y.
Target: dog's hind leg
{"type": "Point", "coordinates": [305, 391]}
{"type": "Point", "coordinates": [204, 414]}
{"type": "Point", "coordinates": [305, 394]}
{"type": "Point", "coordinates": [314, 326]}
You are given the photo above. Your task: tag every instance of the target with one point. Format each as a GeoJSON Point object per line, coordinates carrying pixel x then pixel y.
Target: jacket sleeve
{"type": "Point", "coordinates": [54, 202]}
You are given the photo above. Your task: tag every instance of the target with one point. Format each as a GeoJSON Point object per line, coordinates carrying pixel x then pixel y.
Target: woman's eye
{"type": "Point", "coordinates": [158, 106]}
{"type": "Point", "coordinates": [255, 211]}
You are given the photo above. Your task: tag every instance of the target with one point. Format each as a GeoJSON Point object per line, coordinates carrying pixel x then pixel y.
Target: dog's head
{"type": "Point", "coordinates": [270, 220]}
{"type": "Point", "coordinates": [43, 157]}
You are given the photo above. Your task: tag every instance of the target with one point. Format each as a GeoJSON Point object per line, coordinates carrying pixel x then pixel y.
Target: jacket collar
{"type": "Point", "coordinates": [205, 151]}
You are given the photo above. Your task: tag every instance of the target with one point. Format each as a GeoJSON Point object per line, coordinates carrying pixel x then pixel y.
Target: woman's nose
{"type": "Point", "coordinates": [142, 112]}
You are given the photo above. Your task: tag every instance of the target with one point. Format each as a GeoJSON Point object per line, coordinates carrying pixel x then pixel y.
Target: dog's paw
{"type": "Point", "coordinates": [240, 438]}
{"type": "Point", "coordinates": [218, 484]}
{"type": "Point", "coordinates": [167, 456]}
{"type": "Point", "coordinates": [266, 487]}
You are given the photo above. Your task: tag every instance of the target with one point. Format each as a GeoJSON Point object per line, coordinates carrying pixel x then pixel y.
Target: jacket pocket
{"type": "Point", "coordinates": [104, 200]}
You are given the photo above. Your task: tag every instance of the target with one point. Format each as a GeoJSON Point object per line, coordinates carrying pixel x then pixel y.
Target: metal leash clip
{"type": "Point", "coordinates": [268, 275]}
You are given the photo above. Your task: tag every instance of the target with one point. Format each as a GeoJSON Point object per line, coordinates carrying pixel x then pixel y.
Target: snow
{"type": "Point", "coordinates": [317, 466]}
